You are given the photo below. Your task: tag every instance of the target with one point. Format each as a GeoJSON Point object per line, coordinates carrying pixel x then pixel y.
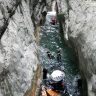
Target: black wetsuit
{"type": "Point", "coordinates": [79, 82]}
{"type": "Point", "coordinates": [56, 86]}
{"type": "Point", "coordinates": [44, 73]}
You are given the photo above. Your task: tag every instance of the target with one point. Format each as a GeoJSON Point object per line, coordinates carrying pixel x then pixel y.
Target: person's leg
{"type": "Point", "coordinates": [79, 82]}
{"type": "Point", "coordinates": [44, 73]}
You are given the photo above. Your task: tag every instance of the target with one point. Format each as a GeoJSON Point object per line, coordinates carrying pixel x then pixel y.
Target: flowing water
{"type": "Point", "coordinates": [51, 39]}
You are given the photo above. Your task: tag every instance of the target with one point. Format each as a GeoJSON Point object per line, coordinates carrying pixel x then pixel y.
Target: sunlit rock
{"type": "Point", "coordinates": [18, 49]}
{"type": "Point", "coordinates": [78, 20]}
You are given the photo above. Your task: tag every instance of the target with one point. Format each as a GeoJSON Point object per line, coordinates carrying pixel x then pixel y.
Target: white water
{"type": "Point", "coordinates": [53, 5]}
{"type": "Point", "coordinates": [49, 16]}
{"type": "Point", "coordinates": [52, 13]}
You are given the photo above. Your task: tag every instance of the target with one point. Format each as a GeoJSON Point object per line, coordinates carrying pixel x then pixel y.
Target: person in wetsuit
{"type": "Point", "coordinates": [79, 85]}
{"type": "Point", "coordinates": [53, 21]}
{"type": "Point", "coordinates": [44, 73]}
{"type": "Point", "coordinates": [57, 86]}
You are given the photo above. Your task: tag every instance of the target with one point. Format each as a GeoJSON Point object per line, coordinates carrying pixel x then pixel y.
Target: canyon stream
{"type": "Point", "coordinates": [52, 40]}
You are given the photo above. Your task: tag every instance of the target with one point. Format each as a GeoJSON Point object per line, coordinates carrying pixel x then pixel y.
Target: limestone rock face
{"type": "Point", "coordinates": [18, 48]}
{"type": "Point", "coordinates": [7, 8]}
{"type": "Point", "coordinates": [79, 25]}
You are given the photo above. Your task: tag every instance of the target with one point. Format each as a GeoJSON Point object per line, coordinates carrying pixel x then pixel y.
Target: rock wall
{"type": "Point", "coordinates": [78, 19]}
{"type": "Point", "coordinates": [18, 49]}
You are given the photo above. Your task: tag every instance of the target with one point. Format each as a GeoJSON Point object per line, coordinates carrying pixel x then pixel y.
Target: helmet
{"type": "Point", "coordinates": [57, 75]}
{"type": "Point", "coordinates": [54, 19]}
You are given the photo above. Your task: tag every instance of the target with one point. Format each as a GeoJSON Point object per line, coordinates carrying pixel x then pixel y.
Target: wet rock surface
{"type": "Point", "coordinates": [79, 27]}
